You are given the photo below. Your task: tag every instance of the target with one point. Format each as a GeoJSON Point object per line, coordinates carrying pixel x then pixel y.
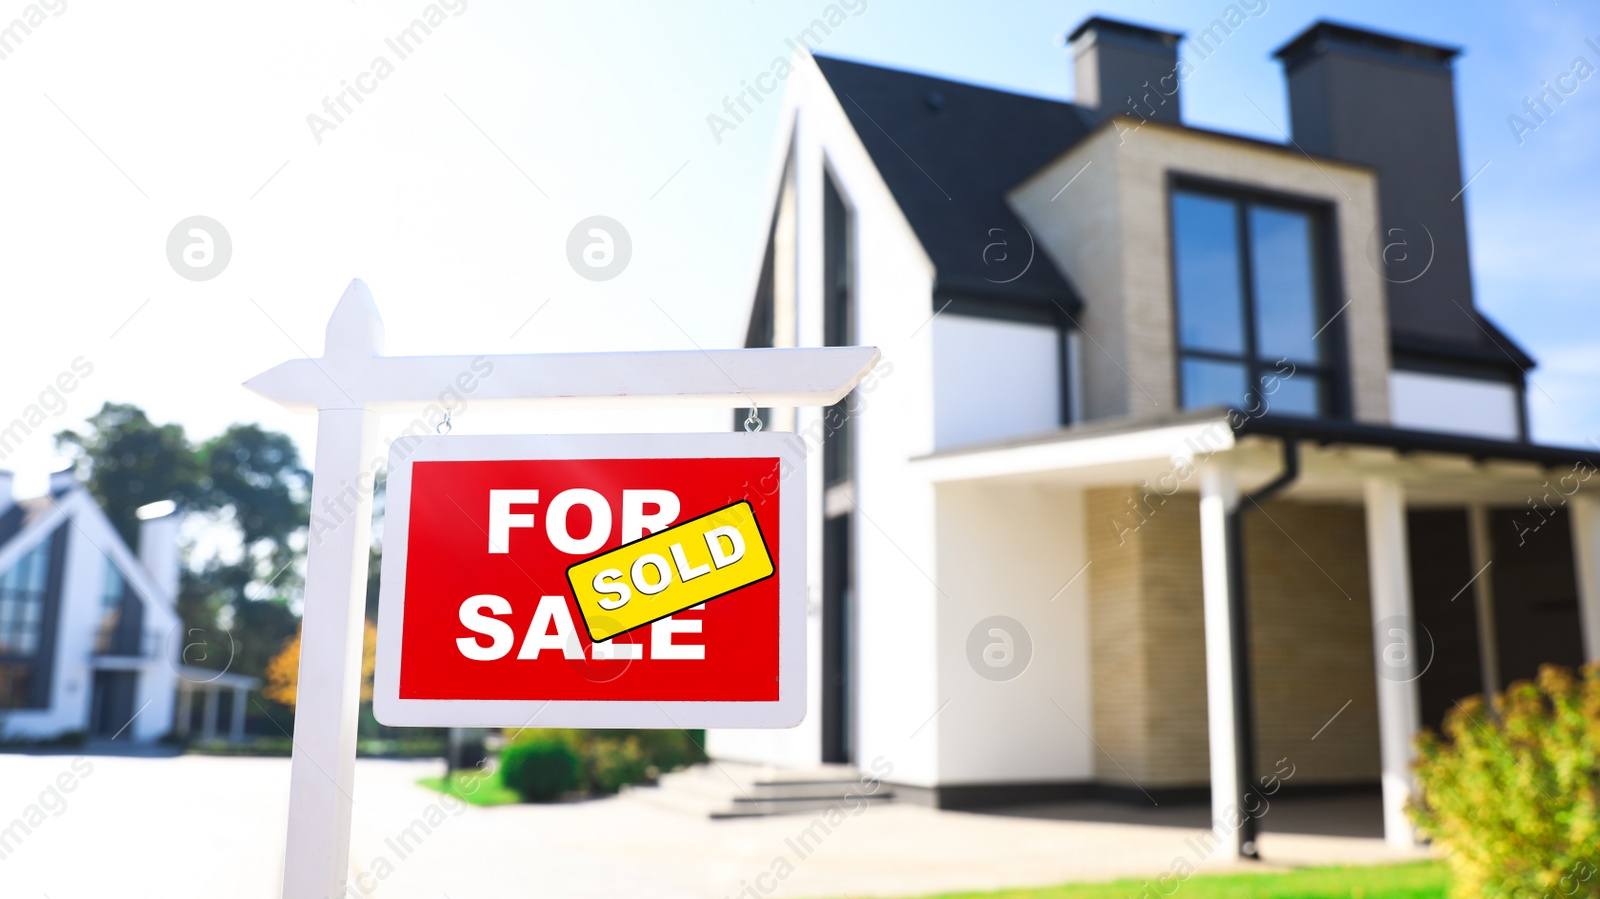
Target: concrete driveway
{"type": "Point", "coordinates": [195, 826]}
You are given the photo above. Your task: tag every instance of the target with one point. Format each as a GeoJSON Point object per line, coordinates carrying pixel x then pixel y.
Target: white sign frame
{"type": "Point", "coordinates": [787, 711]}
{"type": "Point", "coordinates": [348, 387]}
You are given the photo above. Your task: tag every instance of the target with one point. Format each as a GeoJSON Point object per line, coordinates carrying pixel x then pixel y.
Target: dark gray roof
{"type": "Point", "coordinates": [949, 152]}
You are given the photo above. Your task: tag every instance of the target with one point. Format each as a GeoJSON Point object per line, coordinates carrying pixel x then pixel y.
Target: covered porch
{"type": "Point", "coordinates": [1271, 595]}
{"type": "Point", "coordinates": [214, 688]}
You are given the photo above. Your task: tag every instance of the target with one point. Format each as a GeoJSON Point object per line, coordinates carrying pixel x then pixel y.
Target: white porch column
{"type": "Point", "coordinates": [1219, 493]}
{"type": "Point", "coordinates": [236, 728]}
{"type": "Point", "coordinates": [208, 725]}
{"type": "Point", "coordinates": [1586, 555]}
{"type": "Point", "coordinates": [185, 706]}
{"type": "Point", "coordinates": [1395, 646]}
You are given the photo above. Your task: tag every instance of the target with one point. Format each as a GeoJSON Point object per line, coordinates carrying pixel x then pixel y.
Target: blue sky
{"type": "Point", "coordinates": [452, 188]}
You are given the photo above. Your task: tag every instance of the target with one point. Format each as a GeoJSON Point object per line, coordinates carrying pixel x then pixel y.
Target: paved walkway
{"type": "Point", "coordinates": [205, 827]}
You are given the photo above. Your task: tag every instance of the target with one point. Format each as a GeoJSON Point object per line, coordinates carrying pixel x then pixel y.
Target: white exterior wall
{"type": "Point", "coordinates": [894, 670]}
{"type": "Point", "coordinates": [1013, 551]}
{"type": "Point", "coordinates": [993, 379]}
{"type": "Point", "coordinates": [90, 539]}
{"type": "Point", "coordinates": [1431, 402]}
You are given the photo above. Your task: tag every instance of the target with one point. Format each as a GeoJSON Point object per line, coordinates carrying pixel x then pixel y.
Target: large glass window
{"type": "Point", "coordinates": [1250, 309]}
{"type": "Point", "coordinates": [22, 589]}
{"type": "Point", "coordinates": [110, 608]}
{"type": "Point", "coordinates": [838, 326]}
{"type": "Point", "coordinates": [22, 615]}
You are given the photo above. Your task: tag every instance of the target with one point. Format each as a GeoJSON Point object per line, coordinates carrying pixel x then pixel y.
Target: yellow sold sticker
{"type": "Point", "coordinates": [671, 570]}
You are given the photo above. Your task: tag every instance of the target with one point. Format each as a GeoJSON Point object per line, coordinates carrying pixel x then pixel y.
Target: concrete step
{"type": "Point", "coordinates": [733, 790]}
{"type": "Point", "coordinates": [806, 789]}
{"type": "Point", "coordinates": [754, 808]}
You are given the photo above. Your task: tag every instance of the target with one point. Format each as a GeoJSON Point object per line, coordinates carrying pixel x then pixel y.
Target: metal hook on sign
{"type": "Point", "coordinates": [752, 422]}
{"type": "Point", "coordinates": [443, 427]}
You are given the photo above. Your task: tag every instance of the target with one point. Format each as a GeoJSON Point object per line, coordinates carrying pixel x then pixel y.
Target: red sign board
{"type": "Point", "coordinates": [618, 580]}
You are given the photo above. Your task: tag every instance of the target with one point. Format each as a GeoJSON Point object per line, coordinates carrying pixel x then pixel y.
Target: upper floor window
{"type": "Point", "coordinates": [22, 589]}
{"type": "Point", "coordinates": [1250, 307]}
{"type": "Point", "coordinates": [110, 607]}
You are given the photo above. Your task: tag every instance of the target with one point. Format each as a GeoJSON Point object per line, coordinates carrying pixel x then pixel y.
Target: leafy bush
{"type": "Point", "coordinates": [1512, 793]}
{"type": "Point", "coordinates": [542, 766]}
{"type": "Point", "coordinates": [614, 762]}
{"type": "Point", "coordinates": [604, 761]}
{"type": "Point", "coordinates": [669, 750]}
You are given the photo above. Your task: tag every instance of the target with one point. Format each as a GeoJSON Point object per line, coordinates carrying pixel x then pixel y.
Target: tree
{"type": "Point", "coordinates": [257, 475]}
{"type": "Point", "coordinates": [283, 672]}
{"type": "Point", "coordinates": [126, 462]}
{"type": "Point", "coordinates": [249, 479]}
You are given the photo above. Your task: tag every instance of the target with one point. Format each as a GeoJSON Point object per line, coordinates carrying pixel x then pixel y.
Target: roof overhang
{"type": "Point", "coordinates": [1337, 457]}
{"type": "Point", "coordinates": [203, 678]}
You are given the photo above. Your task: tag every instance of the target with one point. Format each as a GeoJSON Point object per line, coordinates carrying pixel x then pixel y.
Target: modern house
{"type": "Point", "coordinates": [1191, 461]}
{"type": "Point", "coordinates": [91, 645]}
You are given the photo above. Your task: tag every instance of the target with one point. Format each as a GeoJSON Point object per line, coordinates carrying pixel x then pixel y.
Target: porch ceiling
{"type": "Point", "coordinates": [1336, 458]}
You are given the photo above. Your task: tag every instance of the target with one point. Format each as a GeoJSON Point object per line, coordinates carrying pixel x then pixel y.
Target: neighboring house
{"type": "Point", "coordinates": [90, 639]}
{"type": "Point", "coordinates": [1045, 568]}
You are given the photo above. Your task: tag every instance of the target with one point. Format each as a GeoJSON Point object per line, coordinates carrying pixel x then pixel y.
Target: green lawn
{"type": "Point", "coordinates": [474, 788]}
{"type": "Point", "coordinates": [1414, 881]}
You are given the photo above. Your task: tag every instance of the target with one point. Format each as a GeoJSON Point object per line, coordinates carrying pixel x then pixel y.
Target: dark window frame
{"type": "Point", "coordinates": [840, 255]}
{"type": "Point", "coordinates": [39, 666]}
{"type": "Point", "coordinates": [1330, 301]}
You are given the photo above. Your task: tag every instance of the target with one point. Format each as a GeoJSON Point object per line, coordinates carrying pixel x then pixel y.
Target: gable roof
{"type": "Point", "coordinates": [35, 519]}
{"type": "Point", "coordinates": [968, 146]}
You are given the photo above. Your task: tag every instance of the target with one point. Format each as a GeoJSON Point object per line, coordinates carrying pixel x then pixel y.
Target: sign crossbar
{"type": "Point", "coordinates": [348, 387]}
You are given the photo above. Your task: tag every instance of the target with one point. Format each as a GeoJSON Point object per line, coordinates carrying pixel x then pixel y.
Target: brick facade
{"type": "Point", "coordinates": [1109, 234]}
{"type": "Point", "coordinates": [1310, 639]}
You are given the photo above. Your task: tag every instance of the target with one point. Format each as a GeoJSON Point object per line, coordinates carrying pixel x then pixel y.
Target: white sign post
{"type": "Point", "coordinates": [348, 387]}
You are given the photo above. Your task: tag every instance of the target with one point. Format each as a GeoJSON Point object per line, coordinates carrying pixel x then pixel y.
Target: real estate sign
{"type": "Point", "coordinates": [593, 581]}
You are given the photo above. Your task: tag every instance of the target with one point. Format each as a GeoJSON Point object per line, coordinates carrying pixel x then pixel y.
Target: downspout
{"type": "Point", "coordinates": [1244, 723]}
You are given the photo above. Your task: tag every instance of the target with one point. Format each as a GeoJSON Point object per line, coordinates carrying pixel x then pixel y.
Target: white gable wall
{"type": "Point", "coordinates": [158, 675]}
{"type": "Point", "coordinates": [895, 688]}
{"type": "Point", "coordinates": [91, 540]}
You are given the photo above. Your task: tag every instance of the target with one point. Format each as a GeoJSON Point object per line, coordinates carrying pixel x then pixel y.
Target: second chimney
{"type": "Point", "coordinates": [1389, 102]}
{"type": "Point", "coordinates": [1126, 68]}
{"type": "Point", "coordinates": [158, 545]}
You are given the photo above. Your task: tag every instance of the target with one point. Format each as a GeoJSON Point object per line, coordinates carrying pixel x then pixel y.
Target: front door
{"type": "Point", "coordinates": [112, 706]}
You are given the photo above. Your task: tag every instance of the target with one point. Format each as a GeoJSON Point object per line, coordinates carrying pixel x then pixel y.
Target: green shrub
{"type": "Point", "coordinates": [613, 762]}
{"type": "Point", "coordinates": [541, 765]}
{"type": "Point", "coordinates": [669, 750]}
{"type": "Point", "coordinates": [1512, 793]}
{"type": "Point", "coordinates": [602, 761]}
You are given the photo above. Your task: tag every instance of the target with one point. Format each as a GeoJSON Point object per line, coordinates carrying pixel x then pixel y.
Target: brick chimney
{"type": "Point", "coordinates": [1389, 102]}
{"type": "Point", "coordinates": [62, 481]}
{"type": "Point", "coordinates": [158, 545]}
{"type": "Point", "coordinates": [1127, 68]}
